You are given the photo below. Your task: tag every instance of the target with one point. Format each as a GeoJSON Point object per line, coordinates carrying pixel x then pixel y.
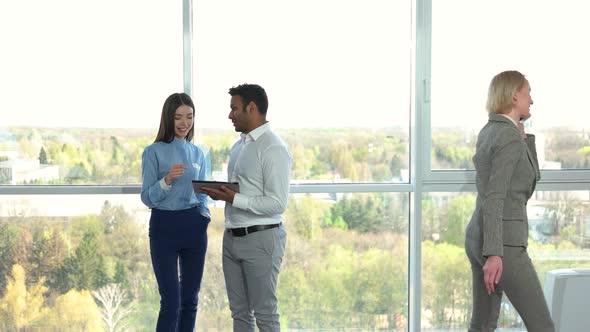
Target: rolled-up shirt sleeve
{"type": "Point", "coordinates": [153, 189]}
{"type": "Point", "coordinates": [276, 170]}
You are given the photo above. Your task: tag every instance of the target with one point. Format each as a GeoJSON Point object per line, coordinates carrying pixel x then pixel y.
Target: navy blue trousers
{"type": "Point", "coordinates": [178, 239]}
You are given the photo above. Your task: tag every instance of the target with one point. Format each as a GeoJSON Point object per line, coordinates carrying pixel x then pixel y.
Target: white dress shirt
{"type": "Point", "coordinates": [261, 163]}
{"type": "Point", "coordinates": [511, 119]}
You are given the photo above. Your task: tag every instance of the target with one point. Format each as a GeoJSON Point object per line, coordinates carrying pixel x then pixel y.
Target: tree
{"type": "Point", "coordinates": [295, 300]}
{"type": "Point", "coordinates": [114, 217]}
{"type": "Point", "coordinates": [564, 211]}
{"type": "Point", "coordinates": [84, 270]}
{"type": "Point", "coordinates": [430, 219]}
{"type": "Point", "coordinates": [43, 156]}
{"type": "Point", "coordinates": [342, 160]}
{"type": "Point", "coordinates": [362, 212]}
{"type": "Point", "coordinates": [302, 161]}
{"type": "Point", "coordinates": [459, 213]}
{"type": "Point", "coordinates": [111, 297]}
{"type": "Point", "coordinates": [396, 165]}
{"type": "Point", "coordinates": [120, 276]}
{"type": "Point", "coordinates": [49, 252]}
{"type": "Point", "coordinates": [219, 155]}
{"type": "Point", "coordinates": [446, 284]}
{"type": "Point", "coordinates": [15, 248]}
{"type": "Point", "coordinates": [78, 172]}
{"type": "Point", "coordinates": [117, 154]}
{"type": "Point", "coordinates": [101, 277]}
{"type": "Point", "coordinates": [306, 214]}
{"type": "Point", "coordinates": [21, 307]}
{"type": "Point", "coordinates": [75, 311]}
{"type": "Point", "coordinates": [125, 236]}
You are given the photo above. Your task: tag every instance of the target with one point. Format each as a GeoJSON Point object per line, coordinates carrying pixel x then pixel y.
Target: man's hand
{"type": "Point", "coordinates": [492, 272]}
{"type": "Point", "coordinates": [223, 194]}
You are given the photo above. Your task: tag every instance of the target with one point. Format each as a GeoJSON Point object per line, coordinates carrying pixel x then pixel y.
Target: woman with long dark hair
{"type": "Point", "coordinates": [179, 217]}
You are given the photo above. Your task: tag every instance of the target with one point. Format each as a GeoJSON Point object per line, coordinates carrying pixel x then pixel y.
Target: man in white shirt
{"type": "Point", "coordinates": [254, 240]}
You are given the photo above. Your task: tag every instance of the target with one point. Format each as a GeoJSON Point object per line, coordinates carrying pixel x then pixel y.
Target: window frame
{"type": "Point", "coordinates": [422, 178]}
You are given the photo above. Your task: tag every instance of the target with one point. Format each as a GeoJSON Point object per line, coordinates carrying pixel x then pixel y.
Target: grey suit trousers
{"type": "Point", "coordinates": [251, 266]}
{"type": "Point", "coordinates": [520, 283]}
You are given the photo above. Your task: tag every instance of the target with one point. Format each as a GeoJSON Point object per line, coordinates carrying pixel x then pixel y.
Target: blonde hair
{"type": "Point", "coordinates": [502, 89]}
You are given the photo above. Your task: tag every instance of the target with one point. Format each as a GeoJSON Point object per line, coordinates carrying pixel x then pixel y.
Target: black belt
{"type": "Point", "coordinates": [243, 231]}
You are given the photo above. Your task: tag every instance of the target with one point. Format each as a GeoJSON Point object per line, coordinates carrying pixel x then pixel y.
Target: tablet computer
{"type": "Point", "coordinates": [215, 184]}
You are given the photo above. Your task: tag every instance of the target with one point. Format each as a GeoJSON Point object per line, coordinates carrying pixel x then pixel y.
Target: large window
{"type": "Point", "coordinates": [474, 40]}
{"type": "Point", "coordinates": [337, 74]}
{"type": "Point", "coordinates": [345, 265]}
{"type": "Point", "coordinates": [379, 101]}
{"type": "Point", "coordinates": [71, 72]}
{"type": "Point", "coordinates": [559, 237]}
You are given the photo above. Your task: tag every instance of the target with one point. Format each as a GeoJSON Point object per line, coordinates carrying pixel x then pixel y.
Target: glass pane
{"type": "Point", "coordinates": [60, 254]}
{"type": "Point", "coordinates": [559, 237]}
{"type": "Point", "coordinates": [338, 81]}
{"type": "Point", "coordinates": [346, 263]}
{"type": "Point", "coordinates": [74, 70]}
{"type": "Point", "coordinates": [67, 250]}
{"type": "Point", "coordinates": [469, 47]}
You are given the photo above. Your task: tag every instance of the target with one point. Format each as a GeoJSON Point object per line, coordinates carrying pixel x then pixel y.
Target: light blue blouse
{"type": "Point", "coordinates": [156, 162]}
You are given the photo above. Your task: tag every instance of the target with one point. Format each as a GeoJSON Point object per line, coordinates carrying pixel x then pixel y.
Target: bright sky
{"type": "Point", "coordinates": [328, 63]}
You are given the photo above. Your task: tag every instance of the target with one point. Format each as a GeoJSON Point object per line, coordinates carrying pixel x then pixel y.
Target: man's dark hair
{"type": "Point", "coordinates": [251, 93]}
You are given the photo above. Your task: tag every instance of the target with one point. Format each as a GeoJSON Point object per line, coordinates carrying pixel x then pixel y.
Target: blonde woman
{"type": "Point", "coordinates": [496, 237]}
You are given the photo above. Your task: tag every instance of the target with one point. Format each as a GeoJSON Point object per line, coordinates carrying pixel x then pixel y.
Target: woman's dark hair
{"type": "Point", "coordinates": [251, 92]}
{"type": "Point", "coordinates": [172, 103]}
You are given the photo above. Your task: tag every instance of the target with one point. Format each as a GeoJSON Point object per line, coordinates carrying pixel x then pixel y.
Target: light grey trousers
{"type": "Point", "coordinates": [251, 266]}
{"type": "Point", "coordinates": [520, 283]}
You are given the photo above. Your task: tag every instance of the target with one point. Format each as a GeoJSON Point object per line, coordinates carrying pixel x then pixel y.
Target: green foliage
{"type": "Point", "coordinates": [346, 265]}
{"type": "Point", "coordinates": [219, 156]}
{"type": "Point", "coordinates": [446, 286]}
{"type": "Point", "coordinates": [459, 213]}
{"type": "Point", "coordinates": [344, 288]}
{"type": "Point", "coordinates": [101, 276]}
{"type": "Point", "coordinates": [79, 173]}
{"type": "Point", "coordinates": [305, 214]}
{"type": "Point", "coordinates": [127, 243]}
{"type": "Point", "coordinates": [337, 222]}
{"type": "Point", "coordinates": [22, 305]}
{"type": "Point", "coordinates": [431, 219]}
{"type": "Point", "coordinates": [567, 214]}
{"type": "Point", "coordinates": [15, 248]}
{"type": "Point", "coordinates": [302, 161]}
{"type": "Point", "coordinates": [395, 165]}
{"type": "Point", "coordinates": [108, 156]}
{"type": "Point", "coordinates": [567, 147]}
{"type": "Point", "coordinates": [43, 156]}
{"type": "Point", "coordinates": [84, 270]}
{"type": "Point", "coordinates": [73, 312]}
{"type": "Point", "coordinates": [363, 212]}
{"type": "Point", "coordinates": [121, 276]}
{"type": "Point", "coordinates": [452, 150]}
{"type": "Point", "coordinates": [48, 253]}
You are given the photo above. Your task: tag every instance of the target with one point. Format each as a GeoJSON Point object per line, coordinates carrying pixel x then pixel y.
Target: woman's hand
{"type": "Point", "coordinates": [492, 272]}
{"type": "Point", "coordinates": [176, 172]}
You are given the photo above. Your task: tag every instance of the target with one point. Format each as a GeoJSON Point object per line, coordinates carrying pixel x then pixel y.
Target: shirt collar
{"type": "Point", "coordinates": [501, 118]}
{"type": "Point", "coordinates": [256, 133]}
{"type": "Point", "coordinates": [509, 118]}
{"type": "Point", "coordinates": [178, 141]}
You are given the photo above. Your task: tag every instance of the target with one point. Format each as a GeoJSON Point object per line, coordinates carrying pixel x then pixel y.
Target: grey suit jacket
{"type": "Point", "coordinates": [506, 174]}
